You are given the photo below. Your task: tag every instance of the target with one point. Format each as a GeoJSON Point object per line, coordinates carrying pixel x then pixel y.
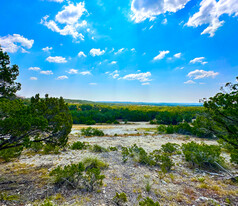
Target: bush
{"type": "Point", "coordinates": [36, 146]}
{"type": "Point", "coordinates": [89, 132]}
{"type": "Point", "coordinates": [119, 199]}
{"type": "Point", "coordinates": [113, 149]}
{"type": "Point", "coordinates": [98, 148]}
{"type": "Point", "coordinates": [148, 202]}
{"type": "Point", "coordinates": [79, 145]}
{"type": "Point", "coordinates": [69, 175]}
{"type": "Point", "coordinates": [161, 129]}
{"type": "Point", "coordinates": [170, 147]}
{"type": "Point", "coordinates": [76, 175]}
{"type": "Point", "coordinates": [202, 155]}
{"type": "Point", "coordinates": [93, 178]}
{"type": "Point", "coordinates": [10, 153]}
{"type": "Point", "coordinates": [169, 129]}
{"type": "Point", "coordinates": [94, 162]}
{"type": "Point", "coordinates": [51, 149]}
{"type": "Point", "coordinates": [116, 122]}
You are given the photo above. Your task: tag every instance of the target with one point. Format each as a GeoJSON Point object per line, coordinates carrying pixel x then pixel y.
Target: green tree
{"type": "Point", "coordinates": [8, 75]}
{"type": "Point", "coordinates": [221, 114]}
{"type": "Point", "coordinates": [47, 120]}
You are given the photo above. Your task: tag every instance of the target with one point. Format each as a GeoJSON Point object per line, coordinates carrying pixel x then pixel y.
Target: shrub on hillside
{"type": "Point", "coordinates": [202, 155]}
{"type": "Point", "coordinates": [10, 153]}
{"type": "Point", "coordinates": [148, 202]}
{"type": "Point", "coordinates": [98, 149]}
{"type": "Point", "coordinates": [170, 147]}
{"type": "Point", "coordinates": [119, 199]}
{"type": "Point", "coordinates": [89, 132]}
{"type": "Point", "coordinates": [79, 145]}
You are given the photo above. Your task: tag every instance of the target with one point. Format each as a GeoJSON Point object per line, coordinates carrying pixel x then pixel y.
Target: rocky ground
{"type": "Point", "coordinates": [26, 181]}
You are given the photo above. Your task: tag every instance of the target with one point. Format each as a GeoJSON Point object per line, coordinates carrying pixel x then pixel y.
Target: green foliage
{"type": "Point", "coordinates": [113, 149]}
{"type": "Point", "coordinates": [47, 120]}
{"type": "Point", "coordinates": [69, 175]}
{"type": "Point", "coordinates": [5, 197]}
{"type": "Point", "coordinates": [147, 186]}
{"type": "Point", "coordinates": [169, 129]}
{"type": "Point", "coordinates": [8, 75]}
{"type": "Point", "coordinates": [170, 147]}
{"type": "Point", "coordinates": [94, 162]}
{"type": "Point", "coordinates": [116, 122]}
{"type": "Point", "coordinates": [47, 203]}
{"type": "Point", "coordinates": [10, 153]}
{"type": "Point", "coordinates": [79, 145]}
{"type": "Point", "coordinates": [36, 146]}
{"type": "Point", "coordinates": [98, 149]}
{"type": "Point", "coordinates": [89, 132]}
{"type": "Point", "coordinates": [234, 156]}
{"type": "Point", "coordinates": [90, 122]}
{"type": "Point", "coordinates": [119, 199]}
{"type": "Point", "coordinates": [221, 114]}
{"type": "Point", "coordinates": [51, 149]}
{"type": "Point", "coordinates": [161, 129]}
{"type": "Point", "coordinates": [93, 178]}
{"type": "Point", "coordinates": [148, 202]}
{"type": "Point", "coordinates": [202, 155]}
{"type": "Point", "coordinates": [153, 159]}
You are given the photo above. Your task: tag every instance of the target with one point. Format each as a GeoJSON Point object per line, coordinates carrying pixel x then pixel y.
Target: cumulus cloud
{"type": "Point", "coordinates": [161, 55]}
{"type": "Point", "coordinates": [73, 71]}
{"type": "Point", "coordinates": [81, 54]}
{"type": "Point", "coordinates": [33, 78]}
{"type": "Point", "coordinates": [119, 51]}
{"type": "Point", "coordinates": [69, 17]}
{"type": "Point", "coordinates": [47, 49]}
{"type": "Point", "coordinates": [210, 12]}
{"type": "Point", "coordinates": [200, 74]}
{"type": "Point", "coordinates": [142, 77]}
{"type": "Point", "coordinates": [198, 60]}
{"type": "Point", "coordinates": [113, 62]}
{"type": "Point", "coordinates": [62, 77]}
{"type": "Point", "coordinates": [34, 68]}
{"type": "Point", "coordinates": [147, 9]}
{"type": "Point", "coordinates": [56, 59]}
{"type": "Point", "coordinates": [190, 82]}
{"type": "Point", "coordinates": [178, 55]}
{"type": "Point", "coordinates": [47, 72]}
{"type": "Point", "coordinates": [85, 73]}
{"type": "Point", "coordinates": [96, 52]}
{"type": "Point", "coordinates": [12, 43]}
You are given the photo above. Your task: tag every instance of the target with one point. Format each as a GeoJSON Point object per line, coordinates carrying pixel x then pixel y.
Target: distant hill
{"type": "Point", "coordinates": [75, 101]}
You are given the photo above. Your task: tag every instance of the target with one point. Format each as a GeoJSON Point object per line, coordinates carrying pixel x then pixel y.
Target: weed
{"type": "Point", "coordinates": [98, 149]}
{"type": "Point", "coordinates": [148, 202]}
{"type": "Point", "coordinates": [119, 199]}
{"type": "Point", "coordinates": [79, 145]}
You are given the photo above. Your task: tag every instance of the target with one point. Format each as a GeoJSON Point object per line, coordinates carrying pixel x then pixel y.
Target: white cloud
{"type": "Point", "coordinates": [56, 59]}
{"type": "Point", "coordinates": [198, 60]}
{"type": "Point", "coordinates": [200, 74]}
{"type": "Point", "coordinates": [177, 68]}
{"type": "Point", "coordinates": [71, 13]}
{"type": "Point", "coordinates": [47, 72]}
{"type": "Point", "coordinates": [210, 12]}
{"type": "Point", "coordinates": [96, 52]}
{"type": "Point", "coordinates": [34, 68]}
{"type": "Point", "coordinates": [69, 17]}
{"type": "Point", "coordinates": [47, 49]}
{"type": "Point", "coordinates": [58, 1]}
{"type": "Point", "coordinates": [133, 49]}
{"type": "Point", "coordinates": [190, 82]}
{"type": "Point", "coordinates": [93, 84]}
{"type": "Point", "coordinates": [142, 77]}
{"type": "Point", "coordinates": [145, 83]}
{"type": "Point", "coordinates": [165, 21]}
{"type": "Point", "coordinates": [12, 43]}
{"type": "Point", "coordinates": [62, 77]}
{"type": "Point", "coordinates": [147, 9]}
{"type": "Point", "coordinates": [33, 78]}
{"type": "Point", "coordinates": [178, 55]}
{"type": "Point", "coordinates": [81, 54]}
{"type": "Point", "coordinates": [73, 71]}
{"type": "Point", "coordinates": [85, 73]}
{"type": "Point", "coordinates": [113, 74]}
{"type": "Point", "coordinates": [113, 62]}
{"type": "Point", "coordinates": [119, 51]}
{"type": "Point", "coordinates": [161, 55]}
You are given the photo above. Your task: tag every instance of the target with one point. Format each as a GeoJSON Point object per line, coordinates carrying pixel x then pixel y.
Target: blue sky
{"type": "Point", "coordinates": [131, 50]}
